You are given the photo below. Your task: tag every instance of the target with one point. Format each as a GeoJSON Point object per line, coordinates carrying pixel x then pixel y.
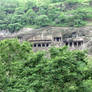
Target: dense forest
{"type": "Point", "coordinates": [22, 70]}
{"type": "Point", "coordinates": [16, 14]}
{"type": "Point", "coordinates": [55, 70]}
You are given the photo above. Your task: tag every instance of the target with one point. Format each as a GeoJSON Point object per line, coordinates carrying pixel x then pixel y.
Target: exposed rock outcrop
{"type": "Point", "coordinates": [46, 33]}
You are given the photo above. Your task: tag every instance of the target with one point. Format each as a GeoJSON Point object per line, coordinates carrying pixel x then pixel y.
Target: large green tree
{"type": "Point", "coordinates": [22, 70]}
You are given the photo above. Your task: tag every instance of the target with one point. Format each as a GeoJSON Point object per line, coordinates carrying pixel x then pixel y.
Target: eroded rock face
{"type": "Point", "coordinates": [46, 37]}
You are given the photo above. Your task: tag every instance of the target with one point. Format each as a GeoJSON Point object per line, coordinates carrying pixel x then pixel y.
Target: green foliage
{"type": "Point", "coordinates": [14, 27]}
{"type": "Point", "coordinates": [16, 14]}
{"type": "Point", "coordinates": [22, 70]}
{"type": "Point", "coordinates": [31, 15]}
{"type": "Point", "coordinates": [11, 58]}
{"type": "Point", "coordinates": [42, 20]}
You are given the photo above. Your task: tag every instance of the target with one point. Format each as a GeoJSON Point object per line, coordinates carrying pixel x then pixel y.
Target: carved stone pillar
{"type": "Point", "coordinates": [77, 43]}
{"type": "Point", "coordinates": [72, 44]}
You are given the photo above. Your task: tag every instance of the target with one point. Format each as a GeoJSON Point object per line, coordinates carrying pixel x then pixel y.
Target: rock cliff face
{"type": "Point", "coordinates": [49, 34]}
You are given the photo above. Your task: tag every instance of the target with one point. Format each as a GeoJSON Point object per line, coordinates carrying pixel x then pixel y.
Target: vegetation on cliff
{"type": "Point", "coordinates": [16, 14]}
{"type": "Point", "coordinates": [22, 70]}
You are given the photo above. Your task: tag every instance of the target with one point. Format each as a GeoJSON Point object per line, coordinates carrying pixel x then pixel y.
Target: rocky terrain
{"type": "Point", "coordinates": [67, 32]}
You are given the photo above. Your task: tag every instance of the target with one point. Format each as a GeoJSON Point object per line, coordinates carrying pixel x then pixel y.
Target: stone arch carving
{"type": "Point", "coordinates": [39, 44]}
{"type": "Point", "coordinates": [43, 44]}
{"type": "Point", "coordinates": [73, 43]}
{"type": "Point", "coordinates": [35, 45]}
{"type": "Point", "coordinates": [58, 39]}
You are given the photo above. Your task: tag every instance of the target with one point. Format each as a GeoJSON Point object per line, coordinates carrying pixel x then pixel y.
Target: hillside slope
{"type": "Point", "coordinates": [16, 14]}
{"type": "Point", "coordinates": [67, 32]}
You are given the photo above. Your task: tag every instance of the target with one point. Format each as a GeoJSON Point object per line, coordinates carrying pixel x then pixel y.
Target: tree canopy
{"type": "Point", "coordinates": [22, 70]}
{"type": "Point", "coordinates": [16, 14]}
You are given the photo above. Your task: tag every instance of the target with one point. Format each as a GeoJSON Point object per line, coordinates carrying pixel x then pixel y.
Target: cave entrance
{"type": "Point", "coordinates": [35, 45]}
{"type": "Point", "coordinates": [75, 44]}
{"type": "Point", "coordinates": [66, 43]}
{"type": "Point", "coordinates": [70, 44]}
{"type": "Point", "coordinates": [39, 45]}
{"type": "Point", "coordinates": [57, 39]}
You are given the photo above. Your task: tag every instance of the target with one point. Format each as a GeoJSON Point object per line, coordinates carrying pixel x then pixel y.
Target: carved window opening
{"type": "Point", "coordinates": [43, 45]}
{"type": "Point", "coordinates": [57, 39]}
{"type": "Point", "coordinates": [70, 44]}
{"type": "Point", "coordinates": [34, 45]}
{"type": "Point", "coordinates": [47, 45]}
{"type": "Point", "coordinates": [75, 44]}
{"type": "Point", "coordinates": [79, 43]}
{"type": "Point", "coordinates": [66, 43]}
{"type": "Point", "coordinates": [39, 45]}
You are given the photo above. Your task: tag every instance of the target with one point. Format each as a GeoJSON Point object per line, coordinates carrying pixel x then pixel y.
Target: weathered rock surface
{"type": "Point", "coordinates": [46, 32]}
